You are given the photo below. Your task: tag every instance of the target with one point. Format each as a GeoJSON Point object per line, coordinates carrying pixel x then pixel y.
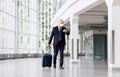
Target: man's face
{"type": "Point", "coordinates": [60, 22]}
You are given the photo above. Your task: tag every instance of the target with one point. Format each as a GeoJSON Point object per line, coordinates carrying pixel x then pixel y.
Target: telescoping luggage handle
{"type": "Point", "coordinates": [48, 49]}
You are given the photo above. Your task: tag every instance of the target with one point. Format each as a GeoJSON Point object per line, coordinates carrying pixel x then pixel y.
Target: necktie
{"type": "Point", "coordinates": [60, 36]}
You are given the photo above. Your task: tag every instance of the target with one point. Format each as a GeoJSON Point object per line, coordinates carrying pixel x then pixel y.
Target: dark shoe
{"type": "Point", "coordinates": [54, 66]}
{"type": "Point", "coordinates": [61, 67]}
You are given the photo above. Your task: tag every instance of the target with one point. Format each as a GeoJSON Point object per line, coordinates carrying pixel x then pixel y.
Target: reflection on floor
{"type": "Point", "coordinates": [32, 68]}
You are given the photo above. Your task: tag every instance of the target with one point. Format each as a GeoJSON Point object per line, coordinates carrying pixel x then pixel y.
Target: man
{"type": "Point", "coordinates": [58, 32]}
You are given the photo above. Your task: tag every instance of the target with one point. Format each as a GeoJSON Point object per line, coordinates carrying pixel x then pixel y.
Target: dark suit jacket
{"type": "Point", "coordinates": [55, 34]}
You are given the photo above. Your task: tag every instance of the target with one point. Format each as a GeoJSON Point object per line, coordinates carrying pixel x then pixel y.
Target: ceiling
{"type": "Point", "coordinates": [95, 18]}
{"type": "Point", "coordinates": [97, 15]}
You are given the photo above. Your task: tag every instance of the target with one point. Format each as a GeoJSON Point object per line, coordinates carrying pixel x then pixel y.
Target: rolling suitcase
{"type": "Point", "coordinates": [47, 60]}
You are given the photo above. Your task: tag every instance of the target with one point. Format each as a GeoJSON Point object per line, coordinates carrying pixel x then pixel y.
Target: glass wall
{"type": "Point", "coordinates": [27, 26]}
{"type": "Point", "coordinates": [45, 16]}
{"type": "Point", "coordinates": [57, 4]}
{"type": "Point", "coordinates": [7, 26]}
{"type": "Point", "coordinates": [24, 25]}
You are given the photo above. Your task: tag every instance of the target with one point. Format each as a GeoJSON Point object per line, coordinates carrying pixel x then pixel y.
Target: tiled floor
{"type": "Point", "coordinates": [32, 68]}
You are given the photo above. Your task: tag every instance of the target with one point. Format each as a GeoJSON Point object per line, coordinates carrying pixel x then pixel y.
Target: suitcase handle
{"type": "Point", "coordinates": [48, 49]}
{"type": "Point", "coordinates": [48, 46]}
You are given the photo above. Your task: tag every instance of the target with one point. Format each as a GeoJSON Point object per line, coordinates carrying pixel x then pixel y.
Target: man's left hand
{"type": "Point", "coordinates": [65, 30]}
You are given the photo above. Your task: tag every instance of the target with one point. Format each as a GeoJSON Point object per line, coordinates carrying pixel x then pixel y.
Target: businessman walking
{"type": "Point", "coordinates": [58, 32]}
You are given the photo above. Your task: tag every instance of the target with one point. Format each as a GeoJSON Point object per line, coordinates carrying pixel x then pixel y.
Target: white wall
{"type": "Point", "coordinates": [100, 31]}
{"type": "Point", "coordinates": [89, 33]}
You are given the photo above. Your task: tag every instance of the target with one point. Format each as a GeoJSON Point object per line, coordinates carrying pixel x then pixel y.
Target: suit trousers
{"type": "Point", "coordinates": [58, 47]}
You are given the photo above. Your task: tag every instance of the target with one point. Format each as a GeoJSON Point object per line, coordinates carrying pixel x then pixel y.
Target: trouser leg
{"type": "Point", "coordinates": [61, 55]}
{"type": "Point", "coordinates": [55, 54]}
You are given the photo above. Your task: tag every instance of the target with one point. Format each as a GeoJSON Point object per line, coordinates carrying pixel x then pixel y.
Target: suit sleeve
{"type": "Point", "coordinates": [67, 32]}
{"type": "Point", "coordinates": [51, 37]}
